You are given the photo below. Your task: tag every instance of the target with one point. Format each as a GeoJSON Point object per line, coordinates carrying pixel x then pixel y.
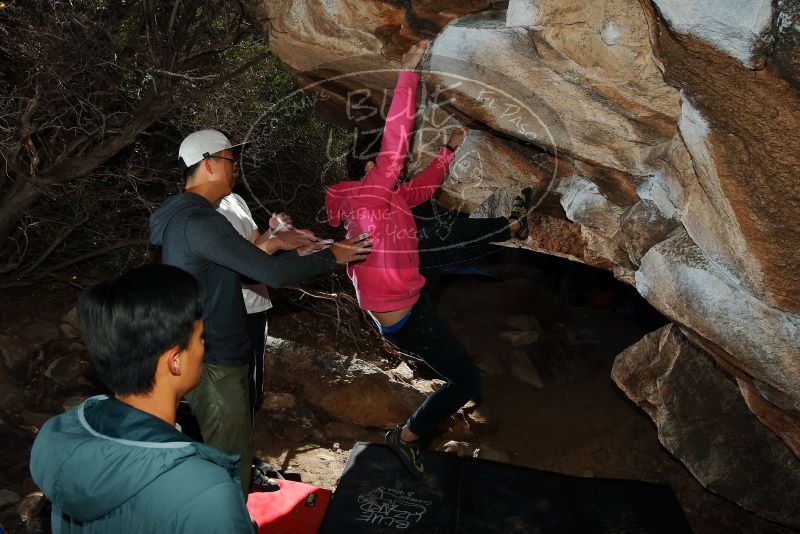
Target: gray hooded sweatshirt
{"type": "Point", "coordinates": [202, 242]}
{"type": "Point", "coordinates": [109, 468]}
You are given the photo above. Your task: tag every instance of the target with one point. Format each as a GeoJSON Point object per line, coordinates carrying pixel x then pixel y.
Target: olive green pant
{"type": "Point", "coordinates": [221, 404]}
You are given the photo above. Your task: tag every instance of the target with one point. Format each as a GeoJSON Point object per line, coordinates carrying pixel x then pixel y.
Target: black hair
{"type": "Point", "coordinates": [128, 322]}
{"type": "Point", "coordinates": [366, 146]}
{"type": "Point", "coordinates": [355, 167]}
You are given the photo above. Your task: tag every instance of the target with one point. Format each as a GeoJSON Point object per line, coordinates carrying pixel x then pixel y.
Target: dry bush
{"type": "Point", "coordinates": [82, 82]}
{"type": "Point", "coordinates": [99, 94]}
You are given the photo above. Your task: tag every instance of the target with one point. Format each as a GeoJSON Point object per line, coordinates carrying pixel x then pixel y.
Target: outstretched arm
{"type": "Point", "coordinates": [424, 185]}
{"type": "Point", "coordinates": [399, 126]}
{"type": "Point", "coordinates": [218, 242]}
{"type": "Point", "coordinates": [221, 244]}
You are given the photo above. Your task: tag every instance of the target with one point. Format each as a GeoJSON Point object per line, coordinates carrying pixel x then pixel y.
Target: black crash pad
{"type": "Point", "coordinates": [471, 496]}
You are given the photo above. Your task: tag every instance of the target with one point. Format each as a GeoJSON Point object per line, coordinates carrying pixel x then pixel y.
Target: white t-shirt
{"type": "Point", "coordinates": [234, 208]}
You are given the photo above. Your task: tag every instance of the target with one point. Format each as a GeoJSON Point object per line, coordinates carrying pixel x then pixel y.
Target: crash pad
{"type": "Point", "coordinates": [296, 508]}
{"type": "Point", "coordinates": [470, 496]}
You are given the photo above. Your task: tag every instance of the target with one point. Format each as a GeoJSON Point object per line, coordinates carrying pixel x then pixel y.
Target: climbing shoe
{"type": "Point", "coordinates": [270, 472]}
{"type": "Point", "coordinates": [520, 207]}
{"type": "Point", "coordinates": [258, 482]}
{"type": "Point", "coordinates": [408, 452]}
{"type": "Point", "coordinates": [262, 477]}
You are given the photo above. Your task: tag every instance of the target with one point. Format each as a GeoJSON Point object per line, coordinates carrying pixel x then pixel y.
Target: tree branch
{"type": "Point", "coordinates": [57, 240]}
{"type": "Point", "coordinates": [180, 76]}
{"type": "Point", "coordinates": [74, 261]}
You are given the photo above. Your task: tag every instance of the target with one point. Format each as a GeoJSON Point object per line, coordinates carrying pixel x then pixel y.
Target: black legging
{"type": "Point", "coordinates": [446, 240]}
{"type": "Point", "coordinates": [256, 327]}
{"type": "Point", "coordinates": [425, 335]}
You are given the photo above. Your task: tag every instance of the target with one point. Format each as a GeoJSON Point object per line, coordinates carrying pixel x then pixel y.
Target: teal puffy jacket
{"type": "Point", "coordinates": [98, 483]}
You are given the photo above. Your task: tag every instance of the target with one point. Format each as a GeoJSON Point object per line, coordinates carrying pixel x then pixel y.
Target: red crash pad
{"type": "Point", "coordinates": [296, 509]}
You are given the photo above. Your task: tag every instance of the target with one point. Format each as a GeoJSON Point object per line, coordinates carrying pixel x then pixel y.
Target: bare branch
{"type": "Point", "coordinates": [60, 237]}
{"type": "Point", "coordinates": [182, 76]}
{"type": "Point", "coordinates": [74, 262]}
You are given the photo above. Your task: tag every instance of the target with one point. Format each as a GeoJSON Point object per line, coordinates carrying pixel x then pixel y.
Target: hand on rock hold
{"type": "Point", "coordinates": [412, 58]}
{"type": "Point", "coordinates": [457, 137]}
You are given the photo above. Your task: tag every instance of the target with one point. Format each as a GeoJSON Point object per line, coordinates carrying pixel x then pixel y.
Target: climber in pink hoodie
{"type": "Point", "coordinates": [388, 284]}
{"type": "Point", "coordinates": [389, 280]}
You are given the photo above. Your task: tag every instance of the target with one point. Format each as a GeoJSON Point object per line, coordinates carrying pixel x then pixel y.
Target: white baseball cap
{"type": "Point", "coordinates": [203, 143]}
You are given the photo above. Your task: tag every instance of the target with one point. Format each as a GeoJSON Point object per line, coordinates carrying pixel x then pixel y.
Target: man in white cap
{"type": "Point", "coordinates": [256, 296]}
{"type": "Point", "coordinates": [196, 238]}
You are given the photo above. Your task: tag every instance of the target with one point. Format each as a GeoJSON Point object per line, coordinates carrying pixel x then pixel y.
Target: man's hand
{"type": "Point", "coordinates": [285, 240]}
{"type": "Point", "coordinates": [316, 246]}
{"type": "Point", "coordinates": [293, 239]}
{"type": "Point", "coordinates": [414, 55]}
{"type": "Point", "coordinates": [352, 250]}
{"type": "Point", "coordinates": [457, 137]}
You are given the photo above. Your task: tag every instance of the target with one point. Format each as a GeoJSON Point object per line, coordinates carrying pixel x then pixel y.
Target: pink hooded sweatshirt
{"type": "Point", "coordinates": [389, 279]}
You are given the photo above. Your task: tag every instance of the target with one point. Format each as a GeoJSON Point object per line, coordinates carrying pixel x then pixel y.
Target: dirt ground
{"type": "Point", "coordinates": [573, 421]}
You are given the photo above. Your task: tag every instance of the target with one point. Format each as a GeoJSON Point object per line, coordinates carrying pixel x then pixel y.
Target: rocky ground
{"type": "Point", "coordinates": [544, 335]}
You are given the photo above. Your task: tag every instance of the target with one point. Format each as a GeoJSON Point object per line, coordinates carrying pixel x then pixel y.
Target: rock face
{"type": "Point", "coordinates": [347, 388]}
{"type": "Point", "coordinates": [786, 53]}
{"type": "Point", "coordinates": [703, 420]}
{"type": "Point", "coordinates": [784, 424]}
{"type": "Point", "coordinates": [677, 277]}
{"type": "Point", "coordinates": [738, 28]}
{"type": "Point", "coordinates": [660, 137]}
{"type": "Point", "coordinates": [590, 99]}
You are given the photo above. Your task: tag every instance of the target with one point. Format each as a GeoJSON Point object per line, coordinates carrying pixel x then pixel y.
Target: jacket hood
{"type": "Point", "coordinates": [87, 475]}
{"type": "Point", "coordinates": [160, 218]}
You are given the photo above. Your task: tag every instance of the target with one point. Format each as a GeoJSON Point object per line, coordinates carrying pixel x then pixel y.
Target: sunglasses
{"type": "Point", "coordinates": [232, 160]}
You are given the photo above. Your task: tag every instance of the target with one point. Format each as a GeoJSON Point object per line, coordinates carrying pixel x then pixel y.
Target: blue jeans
{"type": "Point", "coordinates": [426, 337]}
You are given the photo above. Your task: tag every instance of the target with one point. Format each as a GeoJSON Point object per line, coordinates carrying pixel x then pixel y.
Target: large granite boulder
{"type": "Point", "coordinates": [661, 139]}
{"type": "Point", "coordinates": [563, 86]}
{"type": "Point", "coordinates": [704, 421]}
{"type": "Point", "coordinates": [347, 388]}
{"type": "Point", "coordinates": [677, 278]}
{"type": "Point", "coordinates": [785, 423]}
